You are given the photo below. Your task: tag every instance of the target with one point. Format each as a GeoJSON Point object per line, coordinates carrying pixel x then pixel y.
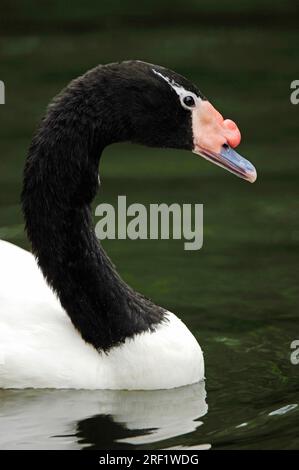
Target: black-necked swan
{"type": "Point", "coordinates": [67, 319]}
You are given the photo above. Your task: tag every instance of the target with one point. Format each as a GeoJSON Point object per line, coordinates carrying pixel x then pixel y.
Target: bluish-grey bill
{"type": "Point", "coordinates": [230, 160]}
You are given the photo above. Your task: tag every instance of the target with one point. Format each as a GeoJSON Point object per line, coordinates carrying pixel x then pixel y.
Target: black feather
{"type": "Point", "coordinates": [111, 103]}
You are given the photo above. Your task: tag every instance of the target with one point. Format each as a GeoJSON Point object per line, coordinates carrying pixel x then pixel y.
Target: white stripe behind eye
{"type": "Point", "coordinates": [179, 89]}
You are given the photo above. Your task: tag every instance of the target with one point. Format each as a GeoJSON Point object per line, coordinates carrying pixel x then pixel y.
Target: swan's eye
{"type": "Point", "coordinates": [189, 101]}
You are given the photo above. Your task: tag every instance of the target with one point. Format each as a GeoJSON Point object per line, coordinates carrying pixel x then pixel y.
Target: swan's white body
{"type": "Point", "coordinates": [40, 348]}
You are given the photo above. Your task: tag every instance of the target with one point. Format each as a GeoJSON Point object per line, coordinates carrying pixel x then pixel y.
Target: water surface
{"type": "Point", "coordinates": [238, 295]}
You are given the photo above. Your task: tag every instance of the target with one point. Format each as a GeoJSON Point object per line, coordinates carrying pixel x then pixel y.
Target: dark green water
{"type": "Point", "coordinates": [238, 295]}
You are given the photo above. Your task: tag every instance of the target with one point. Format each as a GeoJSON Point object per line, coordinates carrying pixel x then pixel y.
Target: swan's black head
{"type": "Point", "coordinates": [163, 109]}
{"type": "Point", "coordinates": [157, 116]}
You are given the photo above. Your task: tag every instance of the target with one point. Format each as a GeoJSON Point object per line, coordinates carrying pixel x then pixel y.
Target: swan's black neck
{"type": "Point", "coordinates": [60, 181]}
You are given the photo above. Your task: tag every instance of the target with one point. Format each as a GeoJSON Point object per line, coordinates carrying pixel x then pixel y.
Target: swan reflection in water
{"type": "Point", "coordinates": [101, 419]}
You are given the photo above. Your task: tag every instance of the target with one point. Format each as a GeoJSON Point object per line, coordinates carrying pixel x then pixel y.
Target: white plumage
{"type": "Point", "coordinates": [40, 348]}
